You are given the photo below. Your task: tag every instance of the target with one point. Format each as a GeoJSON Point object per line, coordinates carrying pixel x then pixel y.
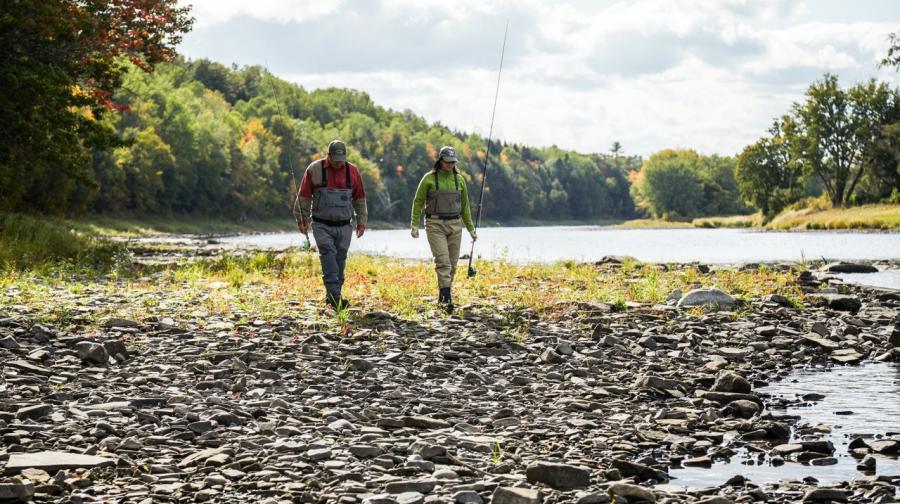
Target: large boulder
{"type": "Point", "coordinates": [707, 297]}
{"type": "Point", "coordinates": [516, 495]}
{"type": "Point", "coordinates": [633, 493]}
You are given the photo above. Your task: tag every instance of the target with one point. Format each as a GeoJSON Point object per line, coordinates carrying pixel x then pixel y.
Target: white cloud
{"type": "Point", "coordinates": [209, 12]}
{"type": "Point", "coordinates": [580, 74]}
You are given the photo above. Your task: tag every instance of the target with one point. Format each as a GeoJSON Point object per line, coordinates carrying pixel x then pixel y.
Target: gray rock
{"type": "Point", "coordinates": [516, 495]}
{"type": "Point", "coordinates": [885, 446]}
{"type": "Point", "coordinates": [34, 412]}
{"type": "Point", "coordinates": [825, 494]}
{"type": "Point", "coordinates": [729, 381]}
{"type": "Point", "coordinates": [640, 471]}
{"type": "Point", "coordinates": [9, 343]}
{"type": "Point", "coordinates": [16, 490]}
{"type": "Point", "coordinates": [467, 497]}
{"type": "Point", "coordinates": [594, 498]}
{"type": "Point", "coordinates": [422, 486]}
{"type": "Point", "coordinates": [845, 267]}
{"type": "Point", "coordinates": [706, 297]}
{"type": "Point", "coordinates": [632, 492]}
{"type": "Point", "coordinates": [741, 408]}
{"type": "Point", "coordinates": [425, 422]}
{"type": "Point", "coordinates": [820, 341]}
{"type": "Point", "coordinates": [116, 349]}
{"type": "Point", "coordinates": [842, 302]}
{"type": "Point", "coordinates": [365, 451]}
{"type": "Point", "coordinates": [119, 322]}
{"type": "Point", "coordinates": [93, 353]}
{"type": "Point", "coordinates": [558, 476]}
{"type": "Point", "coordinates": [410, 498]}
{"type": "Point", "coordinates": [52, 461]}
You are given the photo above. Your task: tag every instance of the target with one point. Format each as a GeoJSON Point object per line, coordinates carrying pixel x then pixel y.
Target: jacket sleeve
{"type": "Point", "coordinates": [419, 200]}
{"type": "Point", "coordinates": [303, 203]}
{"type": "Point", "coordinates": [466, 210]}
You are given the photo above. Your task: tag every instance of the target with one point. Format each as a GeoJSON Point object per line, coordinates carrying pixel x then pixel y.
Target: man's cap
{"type": "Point", "coordinates": [337, 150]}
{"type": "Point", "coordinates": [448, 154]}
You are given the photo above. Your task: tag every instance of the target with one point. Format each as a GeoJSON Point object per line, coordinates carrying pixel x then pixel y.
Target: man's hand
{"type": "Point", "coordinates": [414, 232]}
{"type": "Point", "coordinates": [360, 229]}
{"type": "Point", "coordinates": [303, 226]}
{"type": "Point", "coordinates": [473, 235]}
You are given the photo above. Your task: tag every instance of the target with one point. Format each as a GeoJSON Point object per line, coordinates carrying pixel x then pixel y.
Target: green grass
{"type": "Point", "coordinates": [877, 216]}
{"type": "Point", "coordinates": [41, 244]}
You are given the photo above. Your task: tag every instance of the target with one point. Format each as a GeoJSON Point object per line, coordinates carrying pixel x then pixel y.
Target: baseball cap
{"type": "Point", "coordinates": [448, 154]}
{"type": "Point", "coordinates": [337, 150]}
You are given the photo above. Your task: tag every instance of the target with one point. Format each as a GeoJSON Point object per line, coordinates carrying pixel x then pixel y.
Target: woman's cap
{"type": "Point", "coordinates": [448, 154]}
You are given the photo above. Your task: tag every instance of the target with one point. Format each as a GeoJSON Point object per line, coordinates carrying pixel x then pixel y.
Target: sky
{"type": "Point", "coordinates": [652, 74]}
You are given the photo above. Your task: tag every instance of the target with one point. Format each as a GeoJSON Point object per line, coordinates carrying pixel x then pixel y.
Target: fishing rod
{"type": "Point", "coordinates": [487, 154]}
{"type": "Point", "coordinates": [306, 244]}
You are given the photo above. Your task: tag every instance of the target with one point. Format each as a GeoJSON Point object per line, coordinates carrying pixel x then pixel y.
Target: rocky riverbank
{"type": "Point", "coordinates": [583, 402]}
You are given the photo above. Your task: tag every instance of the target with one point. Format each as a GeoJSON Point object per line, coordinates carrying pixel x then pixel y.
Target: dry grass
{"type": "Point", "coordinates": [731, 221]}
{"type": "Point", "coordinates": [861, 217]}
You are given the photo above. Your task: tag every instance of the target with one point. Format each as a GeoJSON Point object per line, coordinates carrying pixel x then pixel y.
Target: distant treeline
{"type": "Point", "coordinates": [199, 138]}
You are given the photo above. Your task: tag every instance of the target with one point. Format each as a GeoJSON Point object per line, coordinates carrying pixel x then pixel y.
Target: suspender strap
{"type": "Point", "coordinates": [346, 175]}
{"type": "Point", "coordinates": [437, 186]}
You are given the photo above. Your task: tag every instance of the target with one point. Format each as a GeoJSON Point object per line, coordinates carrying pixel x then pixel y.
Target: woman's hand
{"type": "Point", "coordinates": [414, 232]}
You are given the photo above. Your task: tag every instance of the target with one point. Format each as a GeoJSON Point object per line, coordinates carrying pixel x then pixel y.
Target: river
{"type": "Point", "coordinates": [590, 243]}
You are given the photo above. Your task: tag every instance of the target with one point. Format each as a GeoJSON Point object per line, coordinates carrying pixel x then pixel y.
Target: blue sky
{"type": "Point", "coordinates": [652, 74]}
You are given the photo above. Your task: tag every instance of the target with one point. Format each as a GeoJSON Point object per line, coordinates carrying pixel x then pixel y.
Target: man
{"type": "Point", "coordinates": [331, 192]}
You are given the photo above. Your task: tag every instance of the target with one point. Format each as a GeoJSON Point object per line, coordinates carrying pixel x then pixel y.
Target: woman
{"type": "Point", "coordinates": [443, 195]}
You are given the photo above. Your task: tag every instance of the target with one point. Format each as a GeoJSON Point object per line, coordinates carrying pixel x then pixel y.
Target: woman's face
{"type": "Point", "coordinates": [446, 165]}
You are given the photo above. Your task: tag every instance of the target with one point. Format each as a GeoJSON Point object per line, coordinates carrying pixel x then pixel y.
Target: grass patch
{"type": "Point", "coordinates": [43, 244]}
{"type": "Point", "coordinates": [730, 221]}
{"type": "Point", "coordinates": [105, 225]}
{"type": "Point", "coordinates": [876, 216]}
{"type": "Point", "coordinates": [652, 224]}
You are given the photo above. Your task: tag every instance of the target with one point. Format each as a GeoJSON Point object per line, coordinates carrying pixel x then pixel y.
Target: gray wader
{"type": "Point", "coordinates": [443, 227]}
{"type": "Point", "coordinates": [332, 212]}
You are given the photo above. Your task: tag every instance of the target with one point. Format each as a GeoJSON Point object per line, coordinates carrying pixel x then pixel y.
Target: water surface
{"type": "Point", "coordinates": [590, 243]}
{"type": "Point", "coordinates": [870, 391]}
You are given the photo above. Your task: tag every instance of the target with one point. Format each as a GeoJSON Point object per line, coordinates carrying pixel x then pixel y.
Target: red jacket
{"type": "Point", "coordinates": [335, 180]}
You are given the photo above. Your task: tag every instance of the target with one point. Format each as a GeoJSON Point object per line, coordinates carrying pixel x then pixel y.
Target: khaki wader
{"type": "Point", "coordinates": [444, 237]}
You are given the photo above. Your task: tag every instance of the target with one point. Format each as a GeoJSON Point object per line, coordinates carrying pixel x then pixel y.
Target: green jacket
{"type": "Point", "coordinates": [446, 181]}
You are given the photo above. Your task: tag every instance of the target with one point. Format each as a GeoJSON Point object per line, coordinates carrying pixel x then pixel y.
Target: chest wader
{"type": "Point", "coordinates": [444, 230]}
{"type": "Point", "coordinates": [332, 212]}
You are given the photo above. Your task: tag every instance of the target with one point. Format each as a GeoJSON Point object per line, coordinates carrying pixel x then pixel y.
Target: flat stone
{"type": "Point", "coordinates": [410, 498]}
{"type": "Point", "coordinates": [425, 422]}
{"type": "Point", "coordinates": [516, 495]}
{"type": "Point", "coordinates": [201, 456]}
{"type": "Point", "coordinates": [558, 476]}
{"type": "Point", "coordinates": [29, 368]}
{"type": "Point", "coordinates": [422, 486]}
{"type": "Point", "coordinates": [820, 341]}
{"type": "Point", "coordinates": [52, 461]}
{"type": "Point", "coordinates": [846, 356]}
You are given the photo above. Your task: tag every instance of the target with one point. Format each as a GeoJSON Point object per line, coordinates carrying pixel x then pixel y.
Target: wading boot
{"type": "Point", "coordinates": [446, 300]}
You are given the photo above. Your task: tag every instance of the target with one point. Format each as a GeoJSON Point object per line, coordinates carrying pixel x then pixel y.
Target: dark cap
{"type": "Point", "coordinates": [448, 154]}
{"type": "Point", "coordinates": [337, 150]}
